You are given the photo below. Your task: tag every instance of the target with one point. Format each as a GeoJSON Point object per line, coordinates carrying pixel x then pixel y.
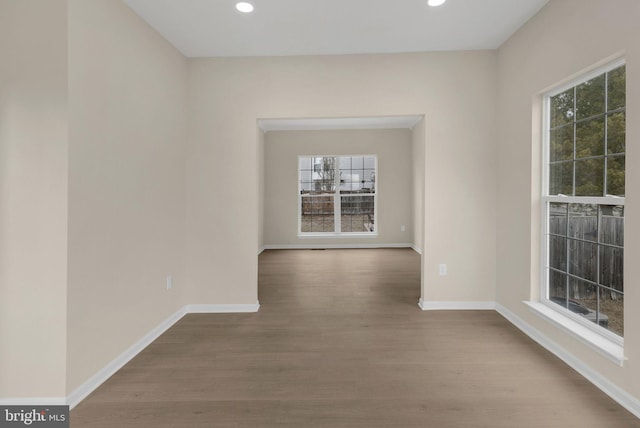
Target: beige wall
{"type": "Point", "coordinates": [565, 38]}
{"type": "Point", "coordinates": [127, 108]}
{"type": "Point", "coordinates": [261, 187]}
{"type": "Point", "coordinates": [418, 161]}
{"type": "Point", "coordinates": [33, 198]}
{"type": "Point", "coordinates": [391, 146]}
{"type": "Point", "coordinates": [456, 92]}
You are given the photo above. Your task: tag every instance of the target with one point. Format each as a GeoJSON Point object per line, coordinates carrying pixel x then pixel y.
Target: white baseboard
{"type": "Point", "coordinates": [37, 401]}
{"type": "Point", "coordinates": [619, 395]}
{"type": "Point", "coordinates": [222, 309]}
{"type": "Point", "coordinates": [110, 369]}
{"type": "Point", "coordinates": [416, 249]}
{"type": "Point", "coordinates": [622, 397]}
{"type": "Point", "coordinates": [333, 246]}
{"type": "Point", "coordinates": [81, 392]}
{"type": "Point", "coordinates": [456, 306]}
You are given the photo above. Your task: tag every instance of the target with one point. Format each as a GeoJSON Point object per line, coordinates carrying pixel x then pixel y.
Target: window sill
{"type": "Point", "coordinates": [338, 235]}
{"type": "Point", "coordinates": [606, 347]}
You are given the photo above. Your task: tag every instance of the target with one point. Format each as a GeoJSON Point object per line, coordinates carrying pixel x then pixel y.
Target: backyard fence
{"type": "Point", "coordinates": [600, 261]}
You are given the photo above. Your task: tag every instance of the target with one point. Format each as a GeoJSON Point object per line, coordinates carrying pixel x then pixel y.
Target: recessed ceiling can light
{"type": "Point", "coordinates": [244, 7]}
{"type": "Point", "coordinates": [435, 2]}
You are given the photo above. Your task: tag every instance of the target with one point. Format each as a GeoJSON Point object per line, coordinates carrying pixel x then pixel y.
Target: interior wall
{"type": "Point", "coordinates": [391, 146]}
{"type": "Point", "coordinates": [564, 39]}
{"type": "Point", "coordinates": [127, 109]}
{"type": "Point", "coordinates": [455, 90]}
{"type": "Point", "coordinates": [261, 188]}
{"type": "Point", "coordinates": [33, 198]}
{"type": "Point", "coordinates": [417, 178]}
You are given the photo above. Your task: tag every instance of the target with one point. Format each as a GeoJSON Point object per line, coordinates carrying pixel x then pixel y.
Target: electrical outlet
{"type": "Point", "coordinates": [403, 228]}
{"type": "Point", "coordinates": [442, 269]}
{"type": "Point", "coordinates": [169, 282]}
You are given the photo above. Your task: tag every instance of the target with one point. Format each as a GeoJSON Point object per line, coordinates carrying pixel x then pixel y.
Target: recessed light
{"type": "Point", "coordinates": [244, 7]}
{"type": "Point", "coordinates": [435, 2]}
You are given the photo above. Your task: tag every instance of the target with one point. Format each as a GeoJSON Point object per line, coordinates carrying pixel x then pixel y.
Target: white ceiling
{"type": "Point", "coordinates": [209, 28]}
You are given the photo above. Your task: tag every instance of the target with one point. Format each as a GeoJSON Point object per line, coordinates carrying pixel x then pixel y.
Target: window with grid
{"type": "Point", "coordinates": [337, 195]}
{"type": "Point", "coordinates": [583, 200]}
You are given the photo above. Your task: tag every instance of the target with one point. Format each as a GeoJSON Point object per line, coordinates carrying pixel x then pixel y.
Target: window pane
{"type": "Point", "coordinates": [370, 162]}
{"type": "Point", "coordinates": [349, 182]}
{"type": "Point", "coordinates": [356, 175]}
{"type": "Point", "coordinates": [587, 145]}
{"type": "Point", "coordinates": [558, 253]}
{"type": "Point", "coordinates": [558, 219]}
{"type": "Point", "coordinates": [558, 288]}
{"type": "Point", "coordinates": [612, 311]}
{"type": "Point", "coordinates": [369, 184]}
{"type": "Point", "coordinates": [590, 138]}
{"type": "Point", "coordinates": [611, 267]}
{"type": "Point", "coordinates": [583, 258]}
{"type": "Point", "coordinates": [324, 174]}
{"type": "Point", "coordinates": [357, 162]}
{"type": "Point", "coordinates": [345, 183]}
{"type": "Point", "coordinates": [616, 133]}
{"type": "Point", "coordinates": [615, 175]}
{"type": "Point", "coordinates": [612, 225]}
{"type": "Point", "coordinates": [590, 98]}
{"type": "Point", "coordinates": [345, 162]}
{"type": "Point", "coordinates": [583, 221]}
{"type": "Point", "coordinates": [561, 178]}
{"type": "Point", "coordinates": [305, 176]}
{"type": "Point", "coordinates": [357, 213]}
{"type": "Point", "coordinates": [583, 301]}
{"type": "Point", "coordinates": [317, 214]}
{"type": "Point", "coordinates": [562, 108]}
{"type": "Point", "coordinates": [590, 177]}
{"type": "Point", "coordinates": [304, 162]}
{"type": "Point", "coordinates": [561, 142]}
{"type": "Point", "coordinates": [616, 88]}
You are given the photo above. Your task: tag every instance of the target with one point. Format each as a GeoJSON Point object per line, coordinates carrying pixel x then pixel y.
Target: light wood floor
{"type": "Point", "coordinates": [339, 341]}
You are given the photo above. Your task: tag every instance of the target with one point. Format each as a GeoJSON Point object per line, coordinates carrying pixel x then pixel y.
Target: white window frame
{"type": "Point", "coordinates": [606, 342]}
{"type": "Point", "coordinates": [337, 198]}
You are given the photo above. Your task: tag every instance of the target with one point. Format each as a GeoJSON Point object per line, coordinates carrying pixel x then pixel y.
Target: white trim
{"type": "Point", "coordinates": [605, 66]}
{"type": "Point", "coordinates": [333, 246]}
{"type": "Point", "coordinates": [416, 249]}
{"type": "Point", "coordinates": [339, 235]}
{"type": "Point", "coordinates": [314, 124]}
{"type": "Point", "coordinates": [599, 200]}
{"type": "Point", "coordinates": [261, 250]}
{"type": "Point", "coordinates": [337, 196]}
{"type": "Point", "coordinates": [222, 309]}
{"type": "Point", "coordinates": [456, 305]}
{"type": "Point", "coordinates": [81, 392]}
{"type": "Point", "coordinates": [608, 348]}
{"type": "Point", "coordinates": [603, 341]}
{"type": "Point", "coordinates": [36, 401]}
{"type": "Point", "coordinates": [622, 397]}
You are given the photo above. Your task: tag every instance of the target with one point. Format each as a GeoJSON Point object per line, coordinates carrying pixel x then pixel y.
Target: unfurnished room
{"type": "Point", "coordinates": [341, 213]}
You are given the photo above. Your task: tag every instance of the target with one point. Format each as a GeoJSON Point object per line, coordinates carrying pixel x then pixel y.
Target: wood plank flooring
{"type": "Point", "coordinates": [339, 341]}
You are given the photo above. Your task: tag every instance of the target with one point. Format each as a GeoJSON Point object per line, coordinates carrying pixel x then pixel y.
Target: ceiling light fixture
{"type": "Point", "coordinates": [435, 2]}
{"type": "Point", "coordinates": [244, 7]}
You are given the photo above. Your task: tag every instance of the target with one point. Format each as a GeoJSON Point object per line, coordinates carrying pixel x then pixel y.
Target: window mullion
{"type": "Point", "coordinates": [337, 200]}
{"type": "Point", "coordinates": [575, 140]}
{"type": "Point", "coordinates": [605, 185]}
{"type": "Point", "coordinates": [598, 248]}
{"type": "Point", "coordinates": [568, 253]}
